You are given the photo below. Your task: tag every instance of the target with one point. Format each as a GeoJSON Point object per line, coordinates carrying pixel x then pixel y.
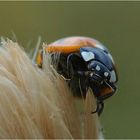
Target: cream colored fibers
{"type": "Point", "coordinates": [37, 103]}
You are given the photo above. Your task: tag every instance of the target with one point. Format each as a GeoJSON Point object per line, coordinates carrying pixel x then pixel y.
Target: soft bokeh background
{"type": "Point", "coordinates": [116, 24]}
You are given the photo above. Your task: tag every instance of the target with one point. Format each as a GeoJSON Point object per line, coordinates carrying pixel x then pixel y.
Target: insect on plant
{"type": "Point", "coordinates": [84, 63]}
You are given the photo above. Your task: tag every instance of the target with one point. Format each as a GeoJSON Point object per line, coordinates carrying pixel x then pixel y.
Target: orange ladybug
{"type": "Point", "coordinates": [84, 63]}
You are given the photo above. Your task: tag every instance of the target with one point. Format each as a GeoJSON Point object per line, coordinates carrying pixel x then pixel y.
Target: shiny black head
{"type": "Point", "coordinates": [101, 71]}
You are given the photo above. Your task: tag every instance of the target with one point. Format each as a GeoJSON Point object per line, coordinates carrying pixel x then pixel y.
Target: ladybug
{"type": "Point", "coordinates": [84, 63]}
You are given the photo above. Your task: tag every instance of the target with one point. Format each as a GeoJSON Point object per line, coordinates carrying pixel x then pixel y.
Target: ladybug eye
{"type": "Point", "coordinates": [113, 76]}
{"type": "Point", "coordinates": [87, 55]}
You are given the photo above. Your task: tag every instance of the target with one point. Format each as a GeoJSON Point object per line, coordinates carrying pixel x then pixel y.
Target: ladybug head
{"type": "Point", "coordinates": [101, 71]}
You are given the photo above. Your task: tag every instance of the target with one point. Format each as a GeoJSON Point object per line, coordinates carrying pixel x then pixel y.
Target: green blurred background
{"type": "Point", "coordinates": [116, 24]}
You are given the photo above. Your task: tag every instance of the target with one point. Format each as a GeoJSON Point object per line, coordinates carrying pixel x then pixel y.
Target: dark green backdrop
{"type": "Point", "coordinates": [116, 24]}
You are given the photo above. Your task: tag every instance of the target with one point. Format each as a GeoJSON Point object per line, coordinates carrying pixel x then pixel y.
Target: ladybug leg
{"type": "Point", "coordinates": [75, 69]}
{"type": "Point", "coordinates": [99, 109]}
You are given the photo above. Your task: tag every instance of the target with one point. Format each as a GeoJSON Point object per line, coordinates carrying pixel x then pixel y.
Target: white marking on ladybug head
{"type": "Point", "coordinates": [106, 74]}
{"type": "Point", "coordinates": [113, 76]}
{"type": "Point", "coordinates": [98, 68]}
{"type": "Point", "coordinates": [87, 55]}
